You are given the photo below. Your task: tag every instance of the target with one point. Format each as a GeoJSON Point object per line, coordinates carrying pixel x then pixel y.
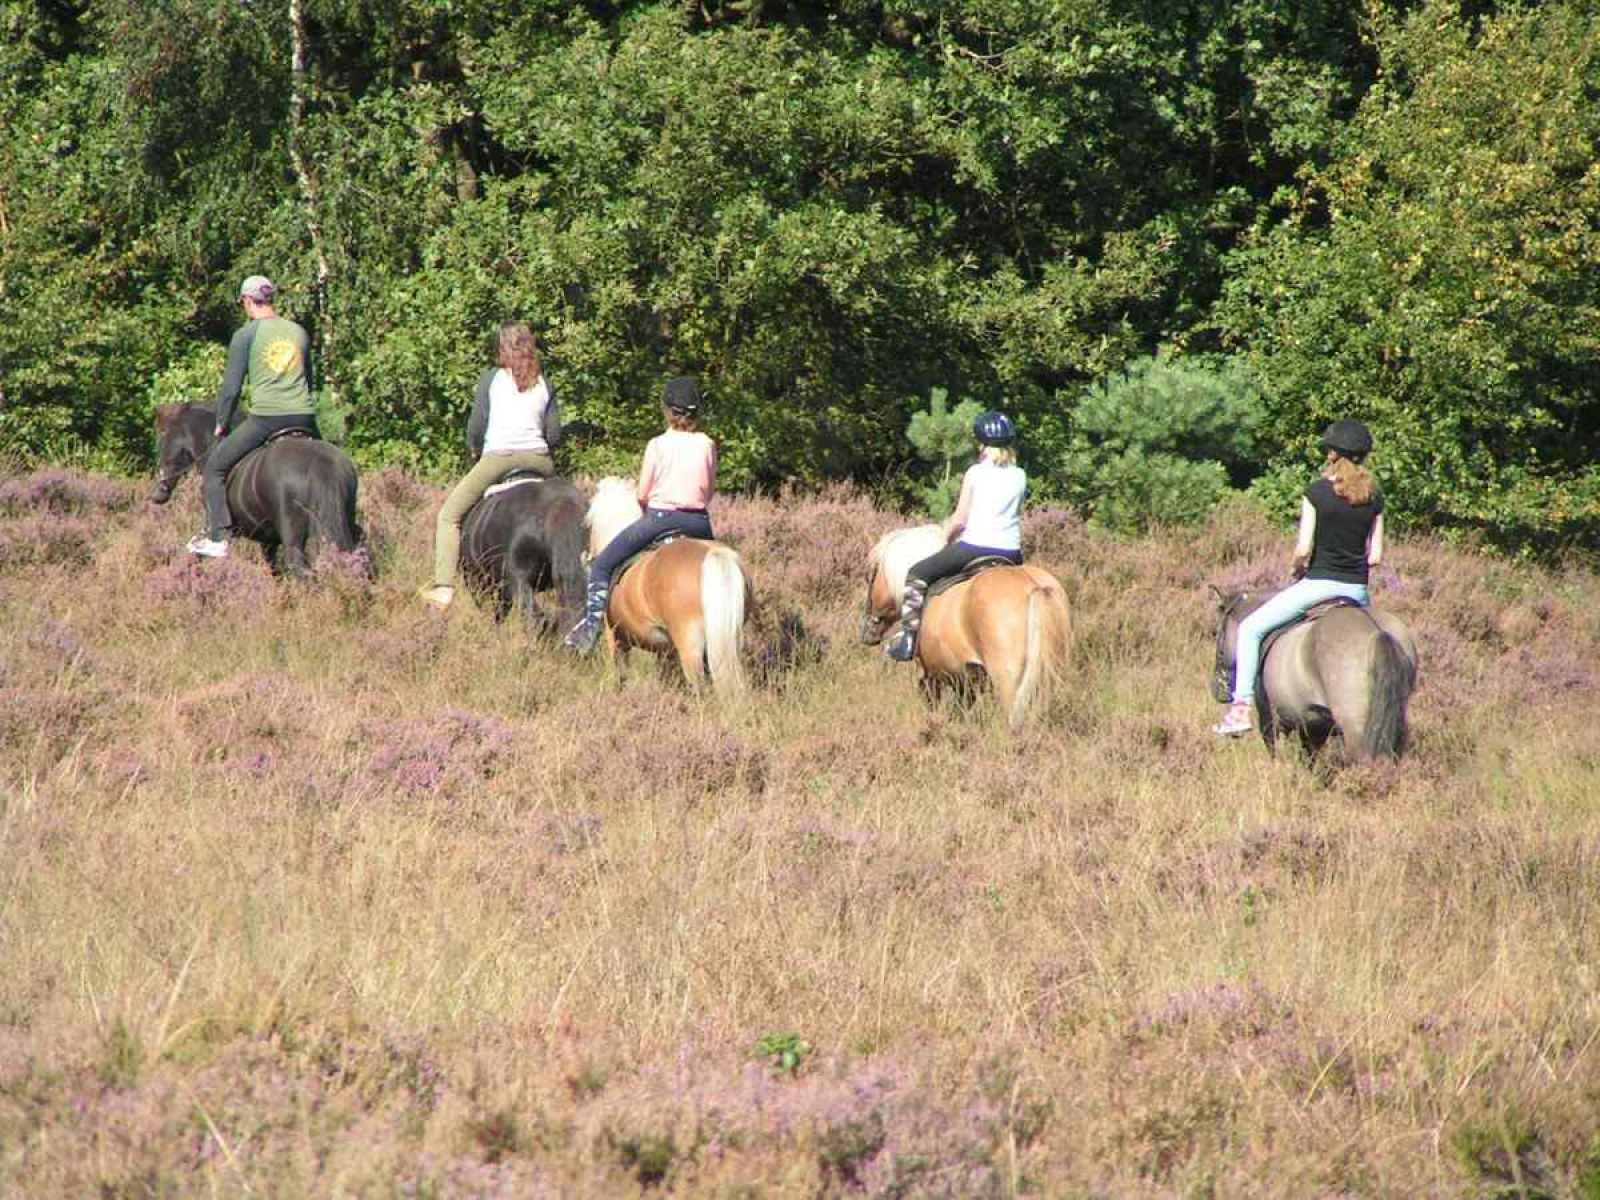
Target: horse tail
{"type": "Point", "coordinates": [566, 536]}
{"type": "Point", "coordinates": [1389, 680]}
{"type": "Point", "coordinates": [1044, 645]}
{"type": "Point", "coordinates": [722, 604]}
{"type": "Point", "coordinates": [330, 502]}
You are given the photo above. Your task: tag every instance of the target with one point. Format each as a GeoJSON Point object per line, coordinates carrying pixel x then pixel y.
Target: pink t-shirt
{"type": "Point", "coordinates": [679, 471]}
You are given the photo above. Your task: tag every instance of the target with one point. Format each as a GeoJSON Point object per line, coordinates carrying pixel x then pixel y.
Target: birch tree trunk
{"type": "Point", "coordinates": [308, 194]}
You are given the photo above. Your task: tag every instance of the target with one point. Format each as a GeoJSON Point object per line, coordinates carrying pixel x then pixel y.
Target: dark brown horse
{"type": "Point", "coordinates": [688, 597]}
{"type": "Point", "coordinates": [1348, 671]}
{"type": "Point", "coordinates": [521, 539]}
{"type": "Point", "coordinates": [1009, 625]}
{"type": "Point", "coordinates": [285, 495]}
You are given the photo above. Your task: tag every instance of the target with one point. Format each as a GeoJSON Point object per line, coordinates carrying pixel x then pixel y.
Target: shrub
{"type": "Point", "coordinates": [1161, 443]}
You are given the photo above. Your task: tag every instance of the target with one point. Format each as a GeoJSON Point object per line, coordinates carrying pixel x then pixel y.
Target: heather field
{"type": "Point", "coordinates": [307, 891]}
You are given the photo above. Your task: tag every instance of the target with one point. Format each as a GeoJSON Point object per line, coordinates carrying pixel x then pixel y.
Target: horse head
{"type": "Point", "coordinates": [1228, 617]}
{"type": "Point", "coordinates": [895, 553]}
{"type": "Point", "coordinates": [184, 436]}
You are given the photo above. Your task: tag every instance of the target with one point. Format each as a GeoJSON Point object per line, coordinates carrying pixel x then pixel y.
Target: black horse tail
{"type": "Point", "coordinates": [1389, 678]}
{"type": "Point", "coordinates": [565, 535]}
{"type": "Point", "coordinates": [331, 503]}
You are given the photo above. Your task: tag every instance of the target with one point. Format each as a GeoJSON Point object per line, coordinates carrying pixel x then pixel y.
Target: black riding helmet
{"type": "Point", "coordinates": [681, 395]}
{"type": "Point", "coordinates": [1349, 438]}
{"type": "Point", "coordinates": [994, 429]}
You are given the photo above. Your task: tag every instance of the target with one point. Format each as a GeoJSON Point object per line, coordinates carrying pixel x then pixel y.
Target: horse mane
{"type": "Point", "coordinates": [615, 506]}
{"type": "Point", "coordinates": [897, 551]}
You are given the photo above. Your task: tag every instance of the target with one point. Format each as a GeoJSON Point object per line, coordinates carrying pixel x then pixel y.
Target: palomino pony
{"type": "Point", "coordinates": [1348, 670]}
{"type": "Point", "coordinates": [1008, 624]}
{"type": "Point", "coordinates": [688, 596]}
{"type": "Point", "coordinates": [524, 537]}
{"type": "Point", "coordinates": [284, 495]}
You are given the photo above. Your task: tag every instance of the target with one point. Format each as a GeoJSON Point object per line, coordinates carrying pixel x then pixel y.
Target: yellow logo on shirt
{"type": "Point", "coordinates": [281, 356]}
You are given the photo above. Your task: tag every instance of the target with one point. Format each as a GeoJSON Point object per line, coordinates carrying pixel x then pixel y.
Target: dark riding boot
{"type": "Point", "coordinates": [903, 648]}
{"type": "Point", "coordinates": [583, 636]}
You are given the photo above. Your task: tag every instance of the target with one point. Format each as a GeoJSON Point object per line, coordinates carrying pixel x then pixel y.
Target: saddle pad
{"type": "Point", "coordinates": [494, 489]}
{"type": "Point", "coordinates": [976, 567]}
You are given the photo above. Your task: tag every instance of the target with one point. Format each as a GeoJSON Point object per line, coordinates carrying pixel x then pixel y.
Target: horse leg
{"type": "Point", "coordinates": [689, 640]}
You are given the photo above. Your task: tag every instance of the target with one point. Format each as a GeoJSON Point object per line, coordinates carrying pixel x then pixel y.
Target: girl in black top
{"type": "Point", "coordinates": [1341, 539]}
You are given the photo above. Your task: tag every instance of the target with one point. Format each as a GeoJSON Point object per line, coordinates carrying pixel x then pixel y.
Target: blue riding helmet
{"type": "Point", "coordinates": [994, 429]}
{"type": "Point", "coordinates": [1349, 438]}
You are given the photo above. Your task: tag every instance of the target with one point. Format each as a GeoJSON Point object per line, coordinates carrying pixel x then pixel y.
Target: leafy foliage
{"type": "Point", "coordinates": [1438, 277]}
{"type": "Point", "coordinates": [822, 212]}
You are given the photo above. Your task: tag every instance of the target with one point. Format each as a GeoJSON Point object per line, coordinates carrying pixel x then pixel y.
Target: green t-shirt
{"type": "Point", "coordinates": [272, 352]}
{"type": "Point", "coordinates": [278, 385]}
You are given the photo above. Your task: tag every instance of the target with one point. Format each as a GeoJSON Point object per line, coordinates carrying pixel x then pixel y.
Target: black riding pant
{"type": "Point", "coordinates": [655, 523]}
{"type": "Point", "coordinates": [227, 454]}
{"type": "Point", "coordinates": [952, 560]}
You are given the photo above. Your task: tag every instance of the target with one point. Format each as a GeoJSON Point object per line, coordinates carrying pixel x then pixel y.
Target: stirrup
{"type": "Point", "coordinates": [583, 636]}
{"type": "Point", "coordinates": [903, 646]}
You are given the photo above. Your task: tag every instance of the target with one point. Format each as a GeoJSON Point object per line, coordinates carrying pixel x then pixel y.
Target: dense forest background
{"type": "Point", "coordinates": [1174, 237]}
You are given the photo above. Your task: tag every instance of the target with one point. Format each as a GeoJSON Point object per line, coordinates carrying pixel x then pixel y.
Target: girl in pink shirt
{"type": "Point", "coordinates": [676, 482]}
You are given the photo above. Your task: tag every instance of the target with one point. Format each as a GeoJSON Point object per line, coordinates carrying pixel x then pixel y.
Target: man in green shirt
{"type": "Point", "coordinates": [273, 352]}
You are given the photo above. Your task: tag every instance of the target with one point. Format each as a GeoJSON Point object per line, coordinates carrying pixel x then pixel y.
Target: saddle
{"type": "Point", "coordinates": [513, 478]}
{"type": "Point", "coordinates": [976, 567]}
{"type": "Point", "coordinates": [1320, 609]}
{"type": "Point", "coordinates": [294, 431]}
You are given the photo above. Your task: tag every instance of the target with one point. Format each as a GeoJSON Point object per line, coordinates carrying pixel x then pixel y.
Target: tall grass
{"type": "Point", "coordinates": [307, 891]}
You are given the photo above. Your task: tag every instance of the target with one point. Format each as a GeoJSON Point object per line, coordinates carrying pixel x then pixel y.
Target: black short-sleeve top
{"type": "Point", "coordinates": [1339, 546]}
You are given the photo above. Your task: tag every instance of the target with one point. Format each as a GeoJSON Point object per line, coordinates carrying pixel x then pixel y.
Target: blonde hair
{"type": "Point", "coordinates": [518, 352]}
{"type": "Point", "coordinates": [1351, 481]}
{"type": "Point", "coordinates": [1000, 456]}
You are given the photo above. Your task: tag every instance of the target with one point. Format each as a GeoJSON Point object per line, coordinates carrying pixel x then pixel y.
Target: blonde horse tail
{"type": "Point", "coordinates": [1044, 643]}
{"type": "Point", "coordinates": [722, 601]}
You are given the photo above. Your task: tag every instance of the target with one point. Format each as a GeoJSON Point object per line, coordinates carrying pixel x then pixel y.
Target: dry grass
{"type": "Point", "coordinates": [307, 892]}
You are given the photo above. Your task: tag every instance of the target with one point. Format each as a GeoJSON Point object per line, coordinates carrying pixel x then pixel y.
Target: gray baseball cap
{"type": "Point", "coordinates": [258, 288]}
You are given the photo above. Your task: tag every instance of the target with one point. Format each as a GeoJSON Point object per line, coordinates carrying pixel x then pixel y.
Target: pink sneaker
{"type": "Point", "coordinates": [1235, 721]}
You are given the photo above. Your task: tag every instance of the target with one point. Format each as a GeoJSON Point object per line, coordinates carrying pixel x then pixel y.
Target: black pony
{"type": "Point", "coordinates": [523, 538]}
{"type": "Point", "coordinates": [284, 495]}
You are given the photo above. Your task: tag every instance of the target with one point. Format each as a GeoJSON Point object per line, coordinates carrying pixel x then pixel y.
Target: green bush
{"type": "Point", "coordinates": [1161, 442]}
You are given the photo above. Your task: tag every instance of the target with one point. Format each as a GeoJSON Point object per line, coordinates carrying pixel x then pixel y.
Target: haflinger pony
{"type": "Point", "coordinates": [1010, 625]}
{"type": "Point", "coordinates": [284, 495]}
{"type": "Point", "coordinates": [688, 596]}
{"type": "Point", "coordinates": [1348, 670]}
{"type": "Point", "coordinates": [525, 536]}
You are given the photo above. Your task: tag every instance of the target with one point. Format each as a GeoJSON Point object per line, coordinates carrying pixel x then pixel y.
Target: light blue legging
{"type": "Point", "coordinates": [1280, 610]}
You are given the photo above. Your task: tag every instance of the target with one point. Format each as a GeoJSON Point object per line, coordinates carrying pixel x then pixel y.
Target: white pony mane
{"type": "Point", "coordinates": [615, 506]}
{"type": "Point", "coordinates": [900, 549]}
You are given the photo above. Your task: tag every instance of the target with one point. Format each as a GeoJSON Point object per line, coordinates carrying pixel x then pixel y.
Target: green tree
{"type": "Point", "coordinates": [1440, 276]}
{"type": "Point", "coordinates": [944, 436]}
{"type": "Point", "coordinates": [1161, 442]}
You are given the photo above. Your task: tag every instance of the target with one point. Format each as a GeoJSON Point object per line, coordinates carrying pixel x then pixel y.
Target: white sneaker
{"type": "Point", "coordinates": [206, 547]}
{"type": "Point", "coordinates": [1235, 722]}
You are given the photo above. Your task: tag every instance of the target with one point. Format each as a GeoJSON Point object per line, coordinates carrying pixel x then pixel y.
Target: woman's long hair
{"type": "Point", "coordinates": [1351, 481]}
{"type": "Point", "coordinates": [517, 352]}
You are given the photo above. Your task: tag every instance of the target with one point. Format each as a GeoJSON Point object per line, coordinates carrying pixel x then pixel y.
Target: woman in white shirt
{"type": "Point", "coordinates": [988, 518]}
{"type": "Point", "coordinates": [514, 413]}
